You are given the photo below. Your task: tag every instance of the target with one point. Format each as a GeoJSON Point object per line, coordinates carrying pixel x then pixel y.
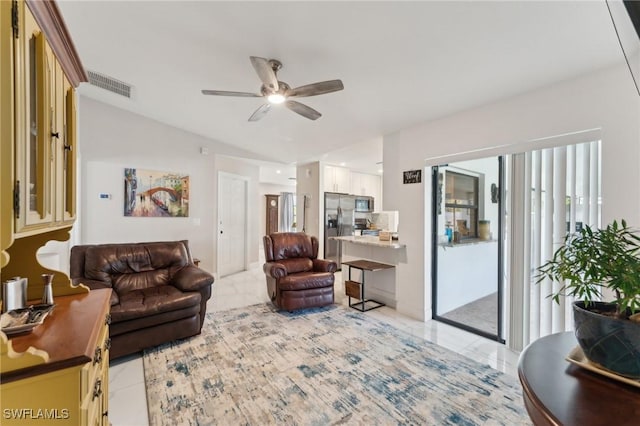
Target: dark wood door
{"type": "Point", "coordinates": [272, 214]}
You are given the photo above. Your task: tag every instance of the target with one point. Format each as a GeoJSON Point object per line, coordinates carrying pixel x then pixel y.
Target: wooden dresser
{"type": "Point", "coordinates": [59, 373]}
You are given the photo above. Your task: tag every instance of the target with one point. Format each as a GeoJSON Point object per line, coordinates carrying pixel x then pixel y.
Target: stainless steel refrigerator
{"type": "Point", "coordinates": [338, 221]}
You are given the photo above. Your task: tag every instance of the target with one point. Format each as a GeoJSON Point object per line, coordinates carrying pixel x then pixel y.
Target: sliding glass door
{"type": "Point", "coordinates": [466, 246]}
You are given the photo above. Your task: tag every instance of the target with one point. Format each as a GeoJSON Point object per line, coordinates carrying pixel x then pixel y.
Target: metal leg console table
{"type": "Point", "coordinates": [357, 289]}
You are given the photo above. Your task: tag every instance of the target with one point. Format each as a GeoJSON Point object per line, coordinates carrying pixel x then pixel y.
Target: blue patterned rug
{"type": "Point", "coordinates": [256, 366]}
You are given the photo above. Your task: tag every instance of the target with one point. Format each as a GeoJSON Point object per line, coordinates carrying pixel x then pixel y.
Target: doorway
{"type": "Point", "coordinates": [466, 250]}
{"type": "Point", "coordinates": [232, 223]}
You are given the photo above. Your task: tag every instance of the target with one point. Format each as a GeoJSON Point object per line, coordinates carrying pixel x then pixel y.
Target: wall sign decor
{"type": "Point", "coordinates": [412, 176]}
{"type": "Point", "coordinates": [150, 193]}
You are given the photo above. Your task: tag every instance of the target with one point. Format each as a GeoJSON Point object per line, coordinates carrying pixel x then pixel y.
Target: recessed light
{"type": "Point", "coordinates": [343, 164]}
{"type": "Point", "coordinates": [278, 172]}
{"type": "Point", "coordinates": [379, 170]}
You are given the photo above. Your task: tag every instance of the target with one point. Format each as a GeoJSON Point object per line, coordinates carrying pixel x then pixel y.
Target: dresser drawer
{"type": "Point", "coordinates": [93, 369]}
{"type": "Point", "coordinates": [91, 407]}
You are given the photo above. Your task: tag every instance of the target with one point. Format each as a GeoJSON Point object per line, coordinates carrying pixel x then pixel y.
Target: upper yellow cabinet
{"type": "Point", "coordinates": [45, 71]}
{"type": "Point", "coordinates": [39, 71]}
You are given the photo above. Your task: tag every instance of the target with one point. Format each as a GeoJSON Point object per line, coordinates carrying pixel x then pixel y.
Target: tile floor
{"type": "Point", "coordinates": [127, 395]}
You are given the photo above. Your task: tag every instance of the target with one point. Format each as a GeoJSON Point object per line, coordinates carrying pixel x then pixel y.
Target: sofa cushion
{"type": "Point", "coordinates": [124, 283]}
{"type": "Point", "coordinates": [286, 245]}
{"type": "Point", "coordinates": [152, 301]}
{"type": "Point", "coordinates": [140, 323]}
{"type": "Point", "coordinates": [306, 280]}
{"type": "Point", "coordinates": [155, 262]}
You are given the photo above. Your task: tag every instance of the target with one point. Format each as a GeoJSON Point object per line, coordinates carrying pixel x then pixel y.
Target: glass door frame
{"type": "Point", "coordinates": [435, 203]}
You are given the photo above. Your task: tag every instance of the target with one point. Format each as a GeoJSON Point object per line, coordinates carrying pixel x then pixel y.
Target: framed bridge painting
{"type": "Point", "coordinates": [150, 193]}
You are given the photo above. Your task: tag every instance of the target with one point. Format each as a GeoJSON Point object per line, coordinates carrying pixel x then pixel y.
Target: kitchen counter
{"type": "Point", "coordinates": [370, 241]}
{"type": "Point", "coordinates": [466, 242]}
{"type": "Point", "coordinates": [381, 285]}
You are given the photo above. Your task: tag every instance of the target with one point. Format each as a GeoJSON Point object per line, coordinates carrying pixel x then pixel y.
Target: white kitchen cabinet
{"type": "Point", "coordinates": [337, 179]}
{"type": "Point", "coordinates": [358, 184]}
{"type": "Point", "coordinates": [369, 185]}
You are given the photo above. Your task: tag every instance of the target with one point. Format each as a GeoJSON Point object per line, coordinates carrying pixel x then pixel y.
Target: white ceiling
{"type": "Point", "coordinates": [402, 63]}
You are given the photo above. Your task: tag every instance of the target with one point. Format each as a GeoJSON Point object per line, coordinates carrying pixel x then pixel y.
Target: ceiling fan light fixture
{"type": "Point", "coordinates": [276, 98]}
{"type": "Point", "coordinates": [278, 92]}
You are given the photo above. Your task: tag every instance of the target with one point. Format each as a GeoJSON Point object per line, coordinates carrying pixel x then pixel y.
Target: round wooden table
{"type": "Point", "coordinates": [557, 392]}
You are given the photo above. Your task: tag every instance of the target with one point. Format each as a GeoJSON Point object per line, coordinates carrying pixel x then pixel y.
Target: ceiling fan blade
{"type": "Point", "coordinates": [303, 110]}
{"type": "Point", "coordinates": [227, 93]}
{"type": "Point", "coordinates": [316, 88]}
{"type": "Point", "coordinates": [265, 72]}
{"type": "Point", "coordinates": [260, 112]}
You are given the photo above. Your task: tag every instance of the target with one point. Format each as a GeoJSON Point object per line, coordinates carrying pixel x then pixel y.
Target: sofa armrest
{"type": "Point", "coordinates": [275, 270]}
{"type": "Point", "coordinates": [321, 265]}
{"type": "Point", "coordinates": [191, 278]}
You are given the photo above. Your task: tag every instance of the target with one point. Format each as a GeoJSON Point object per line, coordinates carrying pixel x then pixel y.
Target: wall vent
{"type": "Point", "coordinates": [109, 83]}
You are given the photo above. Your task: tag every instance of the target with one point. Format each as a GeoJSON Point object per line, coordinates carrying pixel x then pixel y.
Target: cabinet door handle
{"type": "Point", "coordinates": [97, 356]}
{"type": "Point", "coordinates": [107, 344]}
{"type": "Point", "coordinates": [107, 319]}
{"type": "Point", "coordinates": [55, 135]}
{"type": "Point", "coordinates": [97, 389]}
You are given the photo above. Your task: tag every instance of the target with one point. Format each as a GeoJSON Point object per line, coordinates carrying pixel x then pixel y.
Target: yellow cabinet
{"type": "Point", "coordinates": [64, 384]}
{"type": "Point", "coordinates": [39, 70]}
{"type": "Point", "coordinates": [44, 132]}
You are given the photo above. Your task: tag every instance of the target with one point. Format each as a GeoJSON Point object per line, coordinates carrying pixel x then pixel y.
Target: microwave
{"type": "Point", "coordinates": [364, 204]}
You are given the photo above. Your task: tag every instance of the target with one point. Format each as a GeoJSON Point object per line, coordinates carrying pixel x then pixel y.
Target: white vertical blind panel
{"type": "Point", "coordinates": [572, 186]}
{"type": "Point", "coordinates": [536, 238]}
{"type": "Point", "coordinates": [572, 190]}
{"type": "Point", "coordinates": [526, 242]}
{"type": "Point", "coordinates": [586, 184]}
{"type": "Point", "coordinates": [516, 295]}
{"type": "Point", "coordinates": [559, 226]}
{"type": "Point", "coordinates": [593, 184]}
{"type": "Point", "coordinates": [547, 241]}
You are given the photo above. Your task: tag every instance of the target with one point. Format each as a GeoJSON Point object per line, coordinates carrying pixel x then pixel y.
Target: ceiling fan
{"type": "Point", "coordinates": [279, 92]}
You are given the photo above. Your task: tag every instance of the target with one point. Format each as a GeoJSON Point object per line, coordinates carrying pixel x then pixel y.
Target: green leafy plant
{"type": "Point", "coordinates": [590, 260]}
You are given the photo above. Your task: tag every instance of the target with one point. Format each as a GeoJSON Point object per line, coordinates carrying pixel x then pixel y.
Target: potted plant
{"type": "Point", "coordinates": [588, 262]}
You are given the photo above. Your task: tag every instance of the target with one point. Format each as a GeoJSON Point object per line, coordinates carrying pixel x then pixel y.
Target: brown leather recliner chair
{"type": "Point", "coordinates": [296, 278]}
{"type": "Point", "coordinates": [158, 295]}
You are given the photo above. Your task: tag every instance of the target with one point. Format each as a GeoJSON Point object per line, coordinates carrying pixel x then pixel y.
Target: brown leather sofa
{"type": "Point", "coordinates": [296, 278]}
{"type": "Point", "coordinates": [158, 295]}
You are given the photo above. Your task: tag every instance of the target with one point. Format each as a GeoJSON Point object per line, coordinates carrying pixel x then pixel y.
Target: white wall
{"type": "Point", "coordinates": [308, 183]}
{"type": "Point", "coordinates": [605, 99]}
{"type": "Point", "coordinates": [111, 139]}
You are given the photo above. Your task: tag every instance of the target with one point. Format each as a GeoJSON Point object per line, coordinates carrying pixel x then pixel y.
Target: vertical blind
{"type": "Point", "coordinates": [563, 184]}
{"type": "Point", "coordinates": [287, 206]}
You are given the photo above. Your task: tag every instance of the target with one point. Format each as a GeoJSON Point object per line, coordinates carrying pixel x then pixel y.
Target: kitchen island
{"type": "Point", "coordinates": [381, 285]}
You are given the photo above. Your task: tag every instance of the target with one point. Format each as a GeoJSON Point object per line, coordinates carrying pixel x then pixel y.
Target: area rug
{"type": "Point", "coordinates": [330, 366]}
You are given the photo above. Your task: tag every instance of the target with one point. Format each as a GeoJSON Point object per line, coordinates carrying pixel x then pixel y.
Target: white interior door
{"type": "Point", "coordinates": [232, 224]}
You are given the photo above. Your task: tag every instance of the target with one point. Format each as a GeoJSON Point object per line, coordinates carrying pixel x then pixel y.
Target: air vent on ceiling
{"type": "Point", "coordinates": [109, 83]}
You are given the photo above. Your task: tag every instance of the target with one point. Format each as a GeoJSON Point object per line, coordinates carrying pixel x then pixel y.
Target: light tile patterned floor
{"type": "Point", "coordinates": [127, 395]}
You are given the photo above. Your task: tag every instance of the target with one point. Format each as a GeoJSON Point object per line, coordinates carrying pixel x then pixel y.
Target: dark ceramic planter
{"type": "Point", "coordinates": [613, 343]}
